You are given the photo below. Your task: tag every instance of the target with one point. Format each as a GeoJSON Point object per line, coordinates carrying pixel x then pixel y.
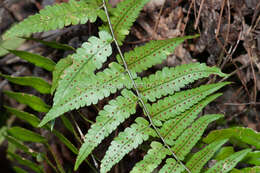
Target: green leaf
{"type": "Point", "coordinates": [19, 170]}
{"type": "Point", "coordinates": [34, 121]}
{"type": "Point", "coordinates": [11, 43]}
{"type": "Point", "coordinates": [25, 116]}
{"type": "Point", "coordinates": [170, 80]}
{"type": "Point", "coordinates": [245, 135]}
{"type": "Point", "coordinates": [125, 142]}
{"type": "Point", "coordinates": [172, 128]}
{"type": "Point", "coordinates": [172, 106]}
{"type": "Point", "coordinates": [123, 17]}
{"type": "Point", "coordinates": [199, 159]}
{"type": "Point", "coordinates": [26, 135]}
{"type": "Point", "coordinates": [3, 130]}
{"type": "Point", "coordinates": [171, 166]}
{"type": "Point", "coordinates": [32, 101]}
{"type": "Point", "coordinates": [154, 52]}
{"type": "Point", "coordinates": [190, 137]}
{"type": "Point", "coordinates": [227, 164]}
{"type": "Point", "coordinates": [55, 17]}
{"type": "Point", "coordinates": [76, 88]}
{"type": "Point", "coordinates": [67, 123]}
{"type": "Point", "coordinates": [26, 162]}
{"type": "Point", "coordinates": [21, 146]}
{"type": "Point", "coordinates": [152, 159]}
{"type": "Point", "coordinates": [37, 83]}
{"type": "Point", "coordinates": [224, 153]}
{"type": "Point", "coordinates": [65, 141]}
{"type": "Point", "coordinates": [58, 70]}
{"type": "Point", "coordinates": [252, 158]}
{"type": "Point", "coordinates": [51, 44]}
{"type": "Point", "coordinates": [255, 169]}
{"type": "Point", "coordinates": [37, 60]}
{"type": "Point", "coordinates": [116, 112]}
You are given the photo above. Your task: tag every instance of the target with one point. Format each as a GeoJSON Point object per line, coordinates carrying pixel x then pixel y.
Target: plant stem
{"type": "Point", "coordinates": [136, 89]}
{"type": "Point", "coordinates": [60, 168]}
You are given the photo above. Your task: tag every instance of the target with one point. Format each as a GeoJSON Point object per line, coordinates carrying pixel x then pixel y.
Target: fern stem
{"type": "Point", "coordinates": [136, 89]}
{"type": "Point", "coordinates": [60, 167]}
{"type": "Point", "coordinates": [50, 164]}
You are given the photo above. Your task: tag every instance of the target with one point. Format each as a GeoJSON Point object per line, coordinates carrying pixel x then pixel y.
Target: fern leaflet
{"type": "Point", "coordinates": [189, 138]}
{"type": "Point", "coordinates": [172, 128]}
{"type": "Point", "coordinates": [227, 164]}
{"type": "Point", "coordinates": [171, 106]}
{"type": "Point", "coordinates": [170, 80]}
{"type": "Point", "coordinates": [77, 78]}
{"type": "Point", "coordinates": [199, 159]}
{"type": "Point", "coordinates": [108, 120]}
{"type": "Point", "coordinates": [56, 17]}
{"type": "Point", "coordinates": [30, 100]}
{"type": "Point", "coordinates": [154, 52]}
{"type": "Point", "coordinates": [123, 17]}
{"type": "Point", "coordinates": [58, 70]}
{"type": "Point", "coordinates": [255, 169]}
{"type": "Point", "coordinates": [152, 159]}
{"type": "Point", "coordinates": [245, 135]}
{"type": "Point", "coordinates": [126, 141]}
{"type": "Point", "coordinates": [171, 166]}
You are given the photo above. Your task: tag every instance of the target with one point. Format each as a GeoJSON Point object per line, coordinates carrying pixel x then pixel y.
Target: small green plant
{"type": "Point", "coordinates": [169, 120]}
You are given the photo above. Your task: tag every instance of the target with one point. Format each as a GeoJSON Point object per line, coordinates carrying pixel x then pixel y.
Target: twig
{"type": "Point", "coordinates": [188, 16]}
{"type": "Point", "coordinates": [234, 72]}
{"type": "Point", "coordinates": [198, 17]}
{"type": "Point", "coordinates": [242, 104]}
{"type": "Point", "coordinates": [218, 29]}
{"type": "Point", "coordinates": [220, 15]}
{"type": "Point", "coordinates": [56, 159]}
{"type": "Point", "coordinates": [232, 51]}
{"type": "Point", "coordinates": [136, 89]}
{"type": "Point", "coordinates": [159, 18]}
{"type": "Point", "coordinates": [253, 71]}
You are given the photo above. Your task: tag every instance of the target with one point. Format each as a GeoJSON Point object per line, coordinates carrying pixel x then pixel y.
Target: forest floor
{"type": "Point", "coordinates": [229, 38]}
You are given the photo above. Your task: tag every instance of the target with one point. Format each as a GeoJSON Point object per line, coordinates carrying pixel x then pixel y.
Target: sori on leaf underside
{"type": "Point", "coordinates": [170, 119]}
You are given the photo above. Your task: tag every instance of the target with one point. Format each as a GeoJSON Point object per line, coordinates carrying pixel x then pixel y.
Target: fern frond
{"type": "Point", "coordinates": [171, 106]}
{"type": "Point", "coordinates": [227, 164]}
{"type": "Point", "coordinates": [154, 52]}
{"type": "Point", "coordinates": [152, 159]}
{"type": "Point", "coordinates": [75, 87]}
{"type": "Point", "coordinates": [171, 166]}
{"type": "Point", "coordinates": [125, 142]}
{"type": "Point", "coordinates": [55, 17]}
{"type": "Point", "coordinates": [199, 159]}
{"type": "Point", "coordinates": [116, 112]}
{"type": "Point", "coordinates": [172, 128]}
{"type": "Point", "coordinates": [170, 80]}
{"type": "Point", "coordinates": [123, 17]}
{"type": "Point", "coordinates": [190, 137]}
{"type": "Point", "coordinates": [242, 134]}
